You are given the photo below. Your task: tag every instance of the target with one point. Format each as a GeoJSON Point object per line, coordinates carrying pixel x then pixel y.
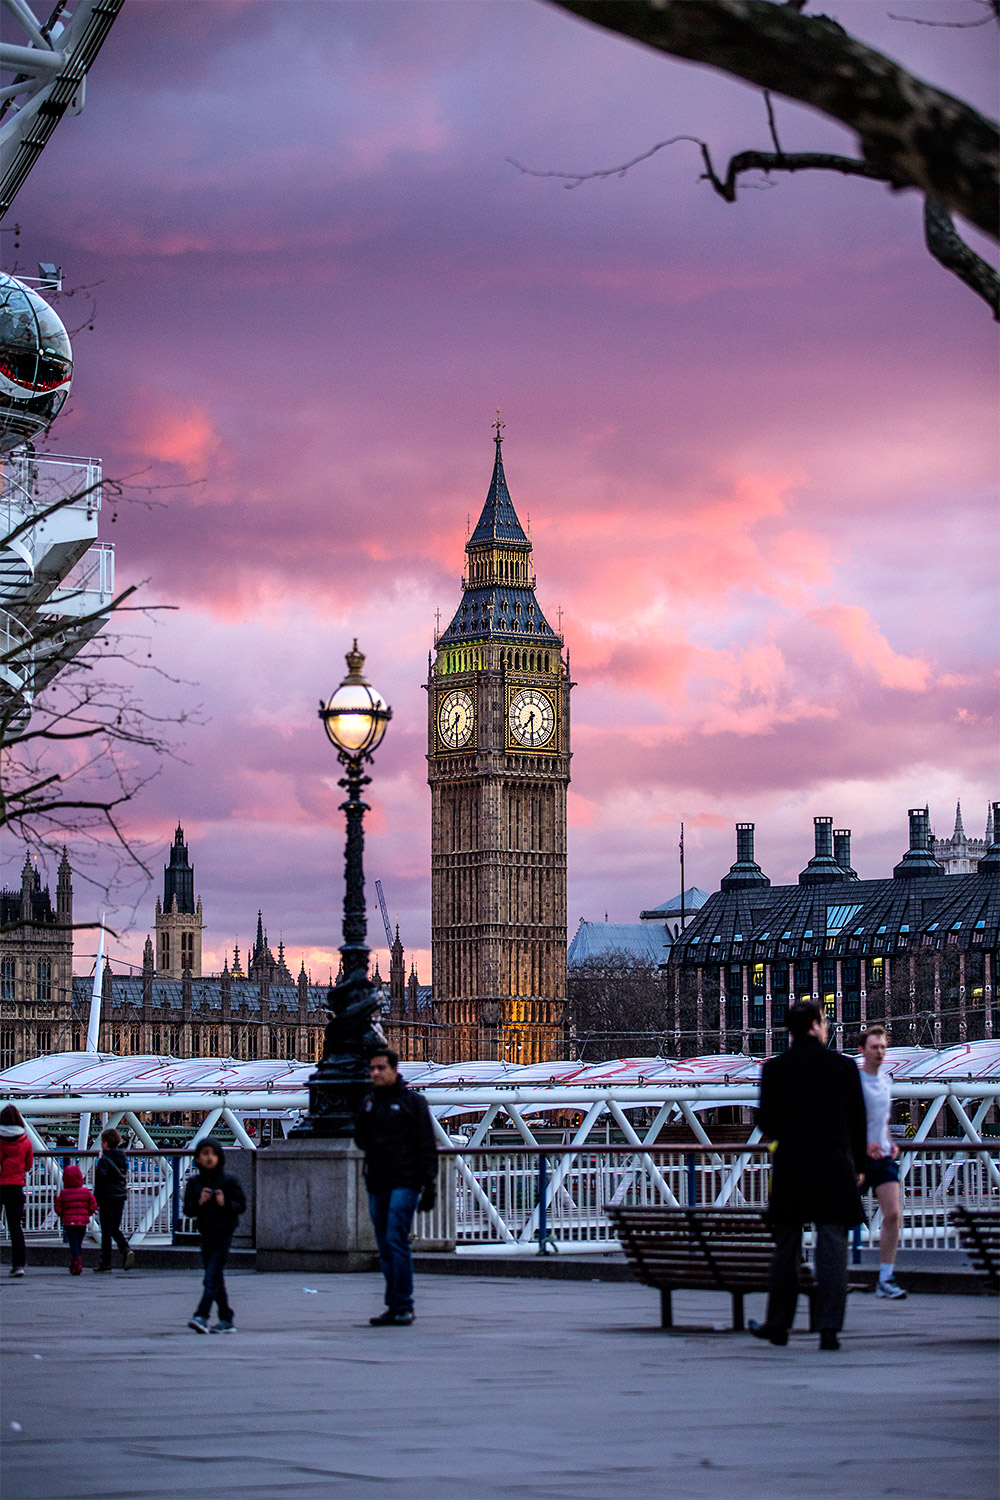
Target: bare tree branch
{"type": "Point", "coordinates": [947, 246]}
{"type": "Point", "coordinates": [911, 133]}
{"type": "Point", "coordinates": [940, 235]}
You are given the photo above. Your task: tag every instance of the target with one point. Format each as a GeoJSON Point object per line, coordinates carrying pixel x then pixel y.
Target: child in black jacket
{"type": "Point", "coordinates": [111, 1192]}
{"type": "Point", "coordinates": [216, 1201]}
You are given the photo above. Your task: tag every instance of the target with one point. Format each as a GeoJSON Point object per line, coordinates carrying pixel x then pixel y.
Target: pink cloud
{"type": "Point", "coordinates": [861, 638]}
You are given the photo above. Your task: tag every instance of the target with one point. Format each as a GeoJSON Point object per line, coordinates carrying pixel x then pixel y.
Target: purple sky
{"type": "Point", "coordinates": [757, 443]}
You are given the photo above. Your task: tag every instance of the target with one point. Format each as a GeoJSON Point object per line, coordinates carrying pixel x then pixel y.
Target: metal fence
{"type": "Point", "coordinates": [533, 1200]}
{"type": "Point", "coordinates": [152, 1208]}
{"type": "Point", "coordinates": [518, 1200]}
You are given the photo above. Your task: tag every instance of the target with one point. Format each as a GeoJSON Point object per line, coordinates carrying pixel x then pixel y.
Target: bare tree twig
{"type": "Point", "coordinates": [912, 134]}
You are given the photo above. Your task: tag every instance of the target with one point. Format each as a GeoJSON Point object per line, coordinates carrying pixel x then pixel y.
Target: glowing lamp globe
{"type": "Point", "coordinates": [36, 364]}
{"type": "Point", "coordinates": [356, 716]}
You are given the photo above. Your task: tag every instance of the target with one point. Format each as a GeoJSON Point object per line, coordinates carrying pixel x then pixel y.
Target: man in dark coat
{"type": "Point", "coordinates": [395, 1131]}
{"type": "Point", "coordinates": [812, 1106]}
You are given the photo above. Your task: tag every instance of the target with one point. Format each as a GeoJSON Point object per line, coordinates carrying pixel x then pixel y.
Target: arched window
{"type": "Point", "coordinates": [164, 951]}
{"type": "Point", "coordinates": [43, 979]}
{"type": "Point", "coordinates": [7, 975]}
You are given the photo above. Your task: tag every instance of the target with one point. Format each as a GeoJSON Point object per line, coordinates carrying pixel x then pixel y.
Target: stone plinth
{"type": "Point", "coordinates": [312, 1207]}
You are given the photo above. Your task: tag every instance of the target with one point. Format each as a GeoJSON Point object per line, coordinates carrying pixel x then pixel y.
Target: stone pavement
{"type": "Point", "coordinates": [502, 1390]}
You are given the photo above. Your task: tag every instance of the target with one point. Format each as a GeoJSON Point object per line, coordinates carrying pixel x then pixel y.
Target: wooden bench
{"type": "Point", "coordinates": [979, 1231]}
{"type": "Point", "coordinates": [707, 1249]}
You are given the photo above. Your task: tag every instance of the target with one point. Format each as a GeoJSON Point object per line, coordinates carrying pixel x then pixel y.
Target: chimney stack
{"type": "Point", "coordinates": [822, 869]}
{"type": "Point", "coordinates": [918, 859]}
{"type": "Point", "coordinates": [842, 852]}
{"type": "Point", "coordinates": [746, 871]}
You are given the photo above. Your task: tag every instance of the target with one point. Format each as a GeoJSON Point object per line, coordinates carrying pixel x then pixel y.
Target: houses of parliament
{"type": "Point", "coordinates": [498, 694]}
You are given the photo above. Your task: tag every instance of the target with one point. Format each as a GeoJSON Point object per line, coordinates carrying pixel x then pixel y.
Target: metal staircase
{"type": "Point", "coordinates": [56, 580]}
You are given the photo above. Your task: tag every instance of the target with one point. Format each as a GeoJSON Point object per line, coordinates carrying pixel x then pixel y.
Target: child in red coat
{"type": "Point", "coordinates": [75, 1205]}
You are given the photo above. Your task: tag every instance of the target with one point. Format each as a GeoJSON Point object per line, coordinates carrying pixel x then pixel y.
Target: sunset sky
{"type": "Point", "coordinates": [757, 442]}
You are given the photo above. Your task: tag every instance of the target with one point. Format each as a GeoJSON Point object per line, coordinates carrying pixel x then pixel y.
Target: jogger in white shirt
{"type": "Point", "coordinates": [881, 1170]}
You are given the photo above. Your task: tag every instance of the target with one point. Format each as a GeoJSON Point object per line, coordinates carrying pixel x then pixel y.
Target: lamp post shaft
{"type": "Point", "coordinates": [354, 949]}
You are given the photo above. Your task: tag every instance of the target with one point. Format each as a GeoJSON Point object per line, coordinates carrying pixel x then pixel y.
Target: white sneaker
{"type": "Point", "coordinates": [200, 1325]}
{"type": "Point", "coordinates": [17, 1271]}
{"type": "Point", "coordinates": [890, 1288]}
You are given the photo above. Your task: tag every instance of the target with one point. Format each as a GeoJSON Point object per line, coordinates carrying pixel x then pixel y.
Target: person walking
{"type": "Point", "coordinates": [216, 1202]}
{"type": "Point", "coordinates": [16, 1159]}
{"type": "Point", "coordinates": [111, 1192]}
{"type": "Point", "coordinates": [395, 1131]}
{"type": "Point", "coordinates": [881, 1153]}
{"type": "Point", "coordinates": [811, 1104]}
{"type": "Point", "coordinates": [75, 1205]}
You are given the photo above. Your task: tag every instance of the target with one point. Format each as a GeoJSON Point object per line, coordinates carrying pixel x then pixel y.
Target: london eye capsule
{"type": "Point", "coordinates": [36, 363]}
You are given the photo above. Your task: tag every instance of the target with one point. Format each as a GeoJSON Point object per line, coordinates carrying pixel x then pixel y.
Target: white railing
{"type": "Point", "coordinates": [33, 483]}
{"type": "Point", "coordinates": [516, 1201]}
{"type": "Point", "coordinates": [16, 654]}
{"type": "Point", "coordinates": [89, 585]}
{"type": "Point", "coordinates": [154, 1181]}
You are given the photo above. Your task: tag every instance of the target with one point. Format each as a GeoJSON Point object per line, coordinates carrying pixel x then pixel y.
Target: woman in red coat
{"type": "Point", "coordinates": [75, 1206]}
{"type": "Point", "coordinates": [16, 1158]}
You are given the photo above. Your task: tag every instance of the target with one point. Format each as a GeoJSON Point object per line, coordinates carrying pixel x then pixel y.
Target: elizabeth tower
{"type": "Point", "coordinates": [498, 767]}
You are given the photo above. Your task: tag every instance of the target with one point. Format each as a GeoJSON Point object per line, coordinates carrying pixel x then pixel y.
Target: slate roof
{"type": "Point", "coordinates": [499, 611]}
{"type": "Point", "coordinates": [844, 918]}
{"type": "Point", "coordinates": [694, 899]}
{"type": "Point", "coordinates": [498, 522]}
{"type": "Point", "coordinates": [206, 995]}
{"type": "Point", "coordinates": [596, 942]}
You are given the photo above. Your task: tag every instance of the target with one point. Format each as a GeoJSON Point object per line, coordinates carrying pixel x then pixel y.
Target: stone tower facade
{"type": "Point", "coordinates": [179, 924]}
{"type": "Point", "coordinates": [36, 966]}
{"type": "Point", "coordinates": [499, 767]}
{"type": "Point", "coordinates": [960, 855]}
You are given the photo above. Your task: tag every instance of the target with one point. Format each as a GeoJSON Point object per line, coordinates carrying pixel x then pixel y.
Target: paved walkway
{"type": "Point", "coordinates": [502, 1390]}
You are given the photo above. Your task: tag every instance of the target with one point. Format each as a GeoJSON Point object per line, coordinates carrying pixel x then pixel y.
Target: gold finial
{"type": "Point", "coordinates": [355, 661]}
{"type": "Point", "coordinates": [499, 426]}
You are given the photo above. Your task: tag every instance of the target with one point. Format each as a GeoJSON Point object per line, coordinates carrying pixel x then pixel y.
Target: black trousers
{"type": "Point", "coordinates": [12, 1199]}
{"type": "Point", "coordinates": [111, 1210]}
{"type": "Point", "coordinates": [214, 1253]}
{"type": "Point", "coordinates": [831, 1275]}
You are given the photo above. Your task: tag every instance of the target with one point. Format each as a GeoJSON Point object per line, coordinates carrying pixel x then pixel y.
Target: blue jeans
{"type": "Point", "coordinates": [392, 1216]}
{"type": "Point", "coordinates": [74, 1238]}
{"type": "Point", "coordinates": [214, 1253]}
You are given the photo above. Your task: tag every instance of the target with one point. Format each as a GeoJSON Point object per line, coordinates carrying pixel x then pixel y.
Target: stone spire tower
{"type": "Point", "coordinates": [498, 767]}
{"type": "Point", "coordinates": [179, 924]}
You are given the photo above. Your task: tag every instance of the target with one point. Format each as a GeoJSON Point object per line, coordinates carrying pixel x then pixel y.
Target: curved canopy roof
{"type": "Point", "coordinates": [76, 1073]}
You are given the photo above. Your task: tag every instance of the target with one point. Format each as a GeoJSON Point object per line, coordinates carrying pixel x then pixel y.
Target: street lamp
{"type": "Point", "coordinates": [355, 720]}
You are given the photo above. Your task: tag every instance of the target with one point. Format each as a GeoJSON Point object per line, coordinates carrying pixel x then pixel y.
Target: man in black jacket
{"type": "Point", "coordinates": [812, 1106]}
{"type": "Point", "coordinates": [395, 1131]}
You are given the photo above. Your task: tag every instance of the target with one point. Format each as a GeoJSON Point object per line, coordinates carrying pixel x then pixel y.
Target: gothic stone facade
{"type": "Point", "coordinates": [498, 767]}
{"type": "Point", "coordinates": [36, 966]}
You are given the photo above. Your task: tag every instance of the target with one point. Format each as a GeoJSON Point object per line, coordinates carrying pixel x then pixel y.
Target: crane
{"type": "Point", "coordinates": [385, 915]}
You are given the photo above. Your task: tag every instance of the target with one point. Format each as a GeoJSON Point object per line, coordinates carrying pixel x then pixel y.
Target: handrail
{"type": "Point", "coordinates": [727, 1148]}
{"type": "Point", "coordinates": [520, 1148]}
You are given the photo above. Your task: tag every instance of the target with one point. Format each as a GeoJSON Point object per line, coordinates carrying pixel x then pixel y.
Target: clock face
{"type": "Point", "coordinates": [456, 718]}
{"type": "Point", "coordinates": [531, 718]}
